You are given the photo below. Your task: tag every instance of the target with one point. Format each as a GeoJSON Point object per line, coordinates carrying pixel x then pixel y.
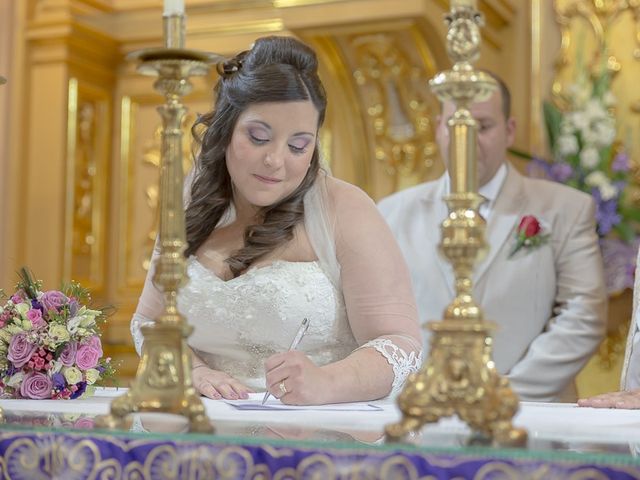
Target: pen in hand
{"type": "Point", "coordinates": [296, 340]}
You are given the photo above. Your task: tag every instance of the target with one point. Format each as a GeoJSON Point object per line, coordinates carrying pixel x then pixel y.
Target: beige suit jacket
{"type": "Point", "coordinates": [549, 302]}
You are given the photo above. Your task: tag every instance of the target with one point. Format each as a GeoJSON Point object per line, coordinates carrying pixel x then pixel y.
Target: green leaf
{"type": "Point", "coordinates": [27, 283]}
{"type": "Point", "coordinates": [630, 213]}
{"type": "Point", "coordinates": [552, 120]}
{"type": "Point", "coordinates": [520, 153]}
{"type": "Point", "coordinates": [625, 232]}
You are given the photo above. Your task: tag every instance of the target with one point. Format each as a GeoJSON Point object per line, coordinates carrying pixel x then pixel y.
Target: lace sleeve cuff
{"type": "Point", "coordinates": [138, 321]}
{"type": "Point", "coordinates": [403, 363]}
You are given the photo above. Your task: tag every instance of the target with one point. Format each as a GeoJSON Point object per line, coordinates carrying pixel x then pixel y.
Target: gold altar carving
{"type": "Point", "coordinates": [459, 376]}
{"type": "Point", "coordinates": [398, 107]}
{"type": "Point", "coordinates": [163, 381]}
{"type": "Point", "coordinates": [86, 194]}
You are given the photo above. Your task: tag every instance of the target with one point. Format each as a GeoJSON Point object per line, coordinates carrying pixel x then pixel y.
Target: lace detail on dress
{"type": "Point", "coordinates": [239, 323]}
{"type": "Point", "coordinates": [402, 364]}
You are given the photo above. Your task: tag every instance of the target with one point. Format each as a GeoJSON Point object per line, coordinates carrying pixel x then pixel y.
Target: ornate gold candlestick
{"type": "Point", "coordinates": [459, 376]}
{"type": "Point", "coordinates": [163, 381]}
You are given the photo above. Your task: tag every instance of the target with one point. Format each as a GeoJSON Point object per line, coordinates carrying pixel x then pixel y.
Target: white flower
{"type": "Point", "coordinates": [58, 333]}
{"type": "Point", "coordinates": [594, 110]}
{"type": "Point", "coordinates": [567, 145]}
{"type": "Point", "coordinates": [609, 99]}
{"type": "Point", "coordinates": [596, 179]}
{"type": "Point", "coordinates": [15, 379]}
{"type": "Point", "coordinates": [92, 375]}
{"type": "Point", "coordinates": [608, 191]}
{"type": "Point", "coordinates": [57, 366]}
{"type": "Point", "coordinates": [579, 92]}
{"type": "Point", "coordinates": [589, 158]}
{"type": "Point", "coordinates": [22, 309]}
{"type": "Point", "coordinates": [606, 132]}
{"type": "Point", "coordinates": [72, 374]}
{"type": "Point", "coordinates": [577, 120]}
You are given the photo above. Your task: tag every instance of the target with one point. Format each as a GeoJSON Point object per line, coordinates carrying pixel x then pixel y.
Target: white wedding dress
{"type": "Point", "coordinates": [240, 322]}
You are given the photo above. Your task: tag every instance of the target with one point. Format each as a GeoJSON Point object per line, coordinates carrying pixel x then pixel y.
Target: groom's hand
{"type": "Point", "coordinates": [630, 399]}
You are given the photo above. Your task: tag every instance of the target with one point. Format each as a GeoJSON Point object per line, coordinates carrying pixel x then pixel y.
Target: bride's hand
{"type": "Point", "coordinates": [296, 380]}
{"type": "Point", "coordinates": [216, 385]}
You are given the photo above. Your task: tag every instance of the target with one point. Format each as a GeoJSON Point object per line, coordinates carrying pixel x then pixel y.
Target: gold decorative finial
{"type": "Point", "coordinates": [459, 377]}
{"type": "Point", "coordinates": [163, 381]}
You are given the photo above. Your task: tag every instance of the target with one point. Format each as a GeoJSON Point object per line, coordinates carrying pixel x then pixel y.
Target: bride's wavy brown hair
{"type": "Point", "coordinates": [276, 69]}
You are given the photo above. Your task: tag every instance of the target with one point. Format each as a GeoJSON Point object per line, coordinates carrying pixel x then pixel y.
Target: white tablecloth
{"type": "Point", "coordinates": [545, 422]}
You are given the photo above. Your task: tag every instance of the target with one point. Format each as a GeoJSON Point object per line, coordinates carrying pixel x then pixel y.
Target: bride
{"type": "Point", "coordinates": [273, 239]}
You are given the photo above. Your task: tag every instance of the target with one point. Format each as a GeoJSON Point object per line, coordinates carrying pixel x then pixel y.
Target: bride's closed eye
{"type": "Point", "coordinates": [299, 147]}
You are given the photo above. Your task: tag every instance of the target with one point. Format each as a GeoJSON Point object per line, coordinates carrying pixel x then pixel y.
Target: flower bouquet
{"type": "Point", "coordinates": [50, 344]}
{"type": "Point", "coordinates": [586, 156]}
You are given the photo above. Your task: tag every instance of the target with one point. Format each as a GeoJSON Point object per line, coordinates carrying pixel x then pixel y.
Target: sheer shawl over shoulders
{"type": "Point", "coordinates": [366, 270]}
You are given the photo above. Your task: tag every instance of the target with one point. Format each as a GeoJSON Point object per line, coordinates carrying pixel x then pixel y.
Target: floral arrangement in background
{"type": "Point", "coordinates": [586, 156]}
{"type": "Point", "coordinates": [50, 345]}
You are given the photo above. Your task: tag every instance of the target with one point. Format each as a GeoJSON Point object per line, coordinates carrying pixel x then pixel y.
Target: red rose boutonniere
{"type": "Point", "coordinates": [529, 234]}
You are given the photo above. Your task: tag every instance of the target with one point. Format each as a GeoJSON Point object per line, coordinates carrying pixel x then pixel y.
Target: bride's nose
{"type": "Point", "coordinates": [273, 159]}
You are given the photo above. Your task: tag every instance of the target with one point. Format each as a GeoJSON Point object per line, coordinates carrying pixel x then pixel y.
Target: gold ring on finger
{"type": "Point", "coordinates": [283, 389]}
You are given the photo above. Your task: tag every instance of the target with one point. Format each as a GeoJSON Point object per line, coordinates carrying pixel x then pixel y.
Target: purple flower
{"type": "Point", "coordinates": [539, 168]}
{"type": "Point", "coordinates": [82, 386]}
{"type": "Point", "coordinates": [17, 298]}
{"type": "Point", "coordinates": [87, 357]}
{"type": "Point", "coordinates": [620, 162]}
{"type": "Point", "coordinates": [37, 304]}
{"type": "Point", "coordinates": [619, 263]}
{"type": "Point", "coordinates": [53, 300]}
{"type": "Point", "coordinates": [58, 381]}
{"type": "Point", "coordinates": [73, 307]}
{"type": "Point", "coordinates": [20, 350]}
{"type": "Point", "coordinates": [36, 385]}
{"type": "Point", "coordinates": [607, 215]}
{"type": "Point", "coordinates": [68, 354]}
{"type": "Point", "coordinates": [561, 172]}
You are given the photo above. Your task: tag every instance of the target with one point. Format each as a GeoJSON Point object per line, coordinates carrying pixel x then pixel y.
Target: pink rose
{"type": "Point", "coordinates": [36, 385]}
{"type": "Point", "coordinates": [20, 350]}
{"type": "Point", "coordinates": [17, 298]}
{"type": "Point", "coordinates": [87, 357]}
{"type": "Point", "coordinates": [35, 315]}
{"type": "Point", "coordinates": [53, 300]}
{"type": "Point", "coordinates": [68, 354]}
{"type": "Point", "coordinates": [95, 342]}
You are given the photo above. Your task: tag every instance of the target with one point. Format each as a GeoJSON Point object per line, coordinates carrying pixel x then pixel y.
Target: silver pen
{"type": "Point", "coordinates": [296, 340]}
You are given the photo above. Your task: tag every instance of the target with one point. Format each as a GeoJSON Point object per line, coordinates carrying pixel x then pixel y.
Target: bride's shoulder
{"type": "Point", "coordinates": [348, 204]}
{"type": "Point", "coordinates": [343, 194]}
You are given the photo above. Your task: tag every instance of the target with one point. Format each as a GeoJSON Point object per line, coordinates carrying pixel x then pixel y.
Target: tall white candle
{"type": "Point", "coordinates": [173, 7]}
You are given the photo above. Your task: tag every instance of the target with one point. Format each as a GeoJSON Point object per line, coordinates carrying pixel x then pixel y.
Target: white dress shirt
{"type": "Point", "coordinates": [489, 190]}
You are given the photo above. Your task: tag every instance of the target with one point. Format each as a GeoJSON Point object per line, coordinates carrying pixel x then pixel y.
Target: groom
{"type": "Point", "coordinates": [549, 300]}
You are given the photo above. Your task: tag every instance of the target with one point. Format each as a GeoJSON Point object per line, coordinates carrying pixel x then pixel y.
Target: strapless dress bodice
{"type": "Point", "coordinates": [240, 322]}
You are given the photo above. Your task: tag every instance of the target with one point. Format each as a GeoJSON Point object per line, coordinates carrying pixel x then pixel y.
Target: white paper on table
{"type": "Point", "coordinates": [254, 402]}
